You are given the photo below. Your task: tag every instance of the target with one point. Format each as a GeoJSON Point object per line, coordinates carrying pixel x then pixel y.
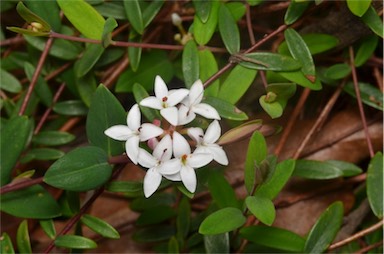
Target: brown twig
{"type": "Point", "coordinates": [20, 185]}
{"type": "Point", "coordinates": [370, 247]}
{"type": "Point", "coordinates": [249, 24]}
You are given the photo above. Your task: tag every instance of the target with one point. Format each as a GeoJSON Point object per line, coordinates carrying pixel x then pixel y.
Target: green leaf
{"type": "Point", "coordinates": [358, 7]}
{"type": "Point", "coordinates": [14, 137]}
{"type": "Point", "coordinates": [218, 222]}
{"type": "Point", "coordinates": [31, 17]}
{"type": "Point", "coordinates": [154, 234]}
{"type": "Point", "coordinates": [70, 108]}
{"type": "Point", "coordinates": [237, 9]}
{"type": "Point", "coordinates": [43, 154]}
{"type": "Point", "coordinates": [221, 191]}
{"type": "Point", "coordinates": [325, 229]}
{"type": "Point", "coordinates": [208, 69]}
{"type": "Point", "coordinates": [262, 208]}
{"type": "Point", "coordinates": [140, 93]}
{"type": "Point", "coordinates": [89, 58]}
{"type": "Point", "coordinates": [299, 78]}
{"type": "Point", "coordinates": [49, 11]}
{"type": "Point", "coordinates": [9, 83]}
{"type": "Point", "coordinates": [203, 9]}
{"type": "Point", "coordinates": [256, 153]}
{"type": "Point", "coordinates": [370, 95]}
{"type": "Point", "coordinates": [86, 86]}
{"type": "Point", "coordinates": [240, 132]}
{"type": "Point", "coordinates": [134, 54]}
{"type": "Point", "coordinates": [316, 170]}
{"type": "Point", "coordinates": [151, 11]}
{"type": "Point", "coordinates": [100, 226]}
{"type": "Point", "coordinates": [134, 15]}
{"type": "Point", "coordinates": [26, 31]}
{"type": "Point", "coordinates": [183, 221]}
{"type": "Point", "coordinates": [42, 89]}
{"type": "Point", "coordinates": [173, 245]}
{"type": "Point", "coordinates": [338, 71]}
{"type": "Point", "coordinates": [32, 202]}
{"type": "Point", "coordinates": [228, 30]}
{"type": "Point", "coordinates": [273, 109]}
{"type": "Point", "coordinates": [203, 31]}
{"type": "Point", "coordinates": [316, 43]}
{"type": "Point", "coordinates": [155, 63]}
{"type": "Point", "coordinates": [375, 184]}
{"type": "Point", "coordinates": [22, 238]}
{"type": "Point", "coordinates": [274, 237]}
{"type": "Point", "coordinates": [295, 11]}
{"type": "Point", "coordinates": [6, 246]}
{"type": "Point", "coordinates": [106, 37]}
{"type": "Point", "coordinates": [268, 61]}
{"type": "Point", "coordinates": [366, 49]}
{"type": "Point", "coordinates": [113, 9]}
{"type": "Point", "coordinates": [347, 168]}
{"type": "Point", "coordinates": [373, 21]}
{"type": "Point", "coordinates": [105, 111]}
{"type": "Point", "coordinates": [301, 53]}
{"type": "Point", "coordinates": [271, 188]}
{"type": "Point", "coordinates": [129, 188]}
{"type": "Point", "coordinates": [226, 109]}
{"type": "Point", "coordinates": [236, 84]}
{"type": "Point", "coordinates": [155, 215]}
{"type": "Point", "coordinates": [190, 63]}
{"type": "Point", "coordinates": [157, 199]}
{"type": "Point", "coordinates": [82, 169]}
{"type": "Point", "coordinates": [84, 17]}
{"type": "Point", "coordinates": [49, 227]}
{"type": "Point", "coordinates": [217, 243]}
{"type": "Point", "coordinates": [283, 91]}
{"type": "Point", "coordinates": [52, 138]}
{"type": "Point", "coordinates": [74, 242]}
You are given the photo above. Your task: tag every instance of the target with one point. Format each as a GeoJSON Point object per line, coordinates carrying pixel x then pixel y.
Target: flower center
{"type": "Point", "coordinates": [184, 159]}
{"type": "Point", "coordinates": [164, 99]}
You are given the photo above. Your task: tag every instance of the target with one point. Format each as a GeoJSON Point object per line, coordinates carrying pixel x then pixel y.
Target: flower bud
{"type": "Point", "coordinates": [176, 20]}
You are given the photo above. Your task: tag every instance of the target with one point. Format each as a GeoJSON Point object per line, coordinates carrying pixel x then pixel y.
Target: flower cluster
{"type": "Point", "coordinates": [172, 157]}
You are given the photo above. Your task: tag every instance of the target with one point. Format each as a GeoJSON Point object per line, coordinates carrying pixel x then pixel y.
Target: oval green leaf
{"type": "Point", "coordinates": [22, 238]}
{"type": "Point", "coordinates": [221, 191]}
{"type": "Point", "coordinates": [6, 246]}
{"type": "Point", "coordinates": [262, 208]}
{"type": "Point", "coordinates": [226, 109]}
{"type": "Point", "coordinates": [203, 9]}
{"type": "Point", "coordinates": [74, 242]}
{"type": "Point", "coordinates": [89, 58]}
{"type": "Point", "coordinates": [325, 229]}
{"type": "Point", "coordinates": [49, 228]}
{"type": "Point", "coordinates": [217, 243]}
{"type": "Point", "coordinates": [375, 184]}
{"type": "Point", "coordinates": [183, 221]}
{"type": "Point", "coordinates": [228, 30]}
{"type": "Point", "coordinates": [370, 95]}
{"type": "Point", "coordinates": [218, 222]}
{"type": "Point", "coordinates": [299, 78]}
{"type": "Point", "coordinates": [100, 226]}
{"type": "Point", "coordinates": [366, 49]}
{"type": "Point", "coordinates": [134, 15]}
{"type": "Point", "coordinates": [208, 69]}
{"type": "Point", "coordinates": [268, 62]}
{"type": "Point", "coordinates": [129, 188]}
{"type": "Point", "coordinates": [9, 83]}
{"type": "Point", "coordinates": [316, 170]}
{"type": "Point", "coordinates": [134, 54]}
{"type": "Point", "coordinates": [347, 168]}
{"type": "Point", "coordinates": [203, 31]}
{"type": "Point", "coordinates": [42, 89]}
{"type": "Point", "coordinates": [273, 109]}
{"type": "Point", "coordinates": [358, 7]}
{"type": "Point", "coordinates": [71, 108]}
{"type": "Point", "coordinates": [295, 11]}
{"type": "Point", "coordinates": [190, 64]}
{"type": "Point", "coordinates": [338, 71]}
{"type": "Point", "coordinates": [151, 11]}
{"type": "Point", "coordinates": [52, 138]}
{"type": "Point", "coordinates": [373, 21]}
{"type": "Point", "coordinates": [43, 154]}
{"type": "Point", "coordinates": [316, 43]}
{"type": "Point", "coordinates": [82, 169]}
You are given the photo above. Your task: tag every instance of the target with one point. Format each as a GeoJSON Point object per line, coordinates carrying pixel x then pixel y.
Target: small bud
{"type": "Point", "coordinates": [271, 97]}
{"type": "Point", "coordinates": [176, 20]}
{"type": "Point", "coordinates": [37, 25]}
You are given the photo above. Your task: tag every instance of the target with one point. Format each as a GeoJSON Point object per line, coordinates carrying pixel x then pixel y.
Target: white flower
{"type": "Point", "coordinates": [206, 143]}
{"type": "Point", "coordinates": [154, 163]}
{"type": "Point", "coordinates": [191, 105]}
{"type": "Point", "coordinates": [185, 162]}
{"type": "Point", "coordinates": [165, 100]}
{"type": "Point", "coordinates": [133, 132]}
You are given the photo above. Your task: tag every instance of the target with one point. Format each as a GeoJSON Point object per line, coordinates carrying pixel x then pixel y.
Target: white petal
{"type": "Point", "coordinates": [170, 114]}
{"type": "Point", "coordinates": [185, 115]}
{"type": "Point", "coordinates": [161, 89]}
{"type": "Point", "coordinates": [119, 132]}
{"type": "Point", "coordinates": [176, 96]}
{"type": "Point", "coordinates": [134, 117]}
{"type": "Point", "coordinates": [196, 134]}
{"type": "Point", "coordinates": [213, 133]}
{"type": "Point", "coordinates": [132, 148]}
{"type": "Point", "coordinates": [180, 145]}
{"type": "Point", "coordinates": [152, 181]}
{"type": "Point", "coordinates": [163, 150]}
{"type": "Point", "coordinates": [173, 177]}
{"type": "Point", "coordinates": [206, 110]}
{"type": "Point", "coordinates": [146, 159]}
{"type": "Point", "coordinates": [196, 93]}
{"type": "Point", "coordinates": [148, 131]}
{"type": "Point", "coordinates": [198, 160]}
{"type": "Point", "coordinates": [151, 102]}
{"type": "Point", "coordinates": [218, 153]}
{"type": "Point", "coordinates": [170, 167]}
{"type": "Point", "coordinates": [188, 176]}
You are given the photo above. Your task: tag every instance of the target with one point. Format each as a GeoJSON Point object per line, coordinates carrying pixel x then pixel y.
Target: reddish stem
{"type": "Point", "coordinates": [20, 185]}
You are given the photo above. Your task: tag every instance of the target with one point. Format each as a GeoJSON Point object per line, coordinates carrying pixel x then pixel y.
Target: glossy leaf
{"type": "Point", "coordinates": [226, 109]}
{"type": "Point", "coordinates": [208, 67]}
{"type": "Point", "coordinates": [237, 9]}
{"type": "Point", "coordinates": [240, 132]}
{"type": "Point", "coordinates": [256, 153]}
{"type": "Point", "coordinates": [140, 93]}
{"type": "Point", "coordinates": [42, 89]}
{"type": "Point", "coordinates": [299, 78]}
{"type": "Point", "coordinates": [347, 168]}
{"type": "Point", "coordinates": [358, 7]}
{"type": "Point", "coordinates": [373, 21]}
{"type": "Point", "coordinates": [190, 63]}
{"type": "Point", "coordinates": [241, 78]}
{"type": "Point", "coordinates": [228, 30]}
{"type": "Point", "coordinates": [43, 154]}
{"type": "Point", "coordinates": [14, 137]}
{"type": "Point", "coordinates": [295, 11]}
{"type": "Point", "coordinates": [134, 54]}
{"type": "Point", "coordinates": [134, 15]}
{"type": "Point", "coordinates": [49, 227]}
{"type": "Point", "coordinates": [325, 229]}
{"type": "Point", "coordinates": [49, 11]}
{"type": "Point", "coordinates": [366, 49]}
{"type": "Point", "coordinates": [203, 9]}
{"type": "Point", "coordinates": [100, 226]}
{"type": "Point", "coordinates": [74, 242]}
{"type": "Point", "coordinates": [22, 238]}
{"type": "Point", "coordinates": [203, 31]}
{"type": "Point", "coordinates": [9, 83]}
{"type": "Point", "coordinates": [89, 58]}
{"type": "Point", "coordinates": [31, 17]}
{"type": "Point", "coordinates": [218, 222]}
{"type": "Point", "coordinates": [370, 95]}
{"type": "Point", "coordinates": [32, 202]}
{"type": "Point", "coordinates": [282, 173]}
{"type": "Point", "coordinates": [218, 243]}
{"type": "Point", "coordinates": [316, 170]}
{"type": "Point", "coordinates": [106, 37]}
{"type": "Point", "coordinates": [70, 108]}
{"type": "Point", "coordinates": [338, 71]}
{"type": "Point", "coordinates": [6, 246]}
{"type": "Point", "coordinates": [262, 208]}
{"type": "Point", "coordinates": [316, 43]}
{"type": "Point", "coordinates": [151, 11]}
{"type": "Point", "coordinates": [105, 111]}
{"type": "Point", "coordinates": [221, 191]}
{"type": "Point", "coordinates": [375, 184]}
{"type": "Point", "coordinates": [52, 138]}
{"type": "Point", "coordinates": [277, 238]}
{"type": "Point", "coordinates": [301, 53]}
{"type": "Point", "coordinates": [154, 234]}
{"type": "Point", "coordinates": [82, 169]}
{"type": "Point", "coordinates": [84, 17]}
{"type": "Point", "coordinates": [268, 61]}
